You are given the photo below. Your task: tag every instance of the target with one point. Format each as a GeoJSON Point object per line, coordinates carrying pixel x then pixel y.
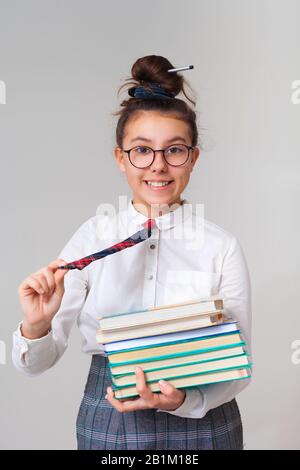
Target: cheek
{"type": "Point", "coordinates": [134, 177]}
{"type": "Point", "coordinates": [182, 177]}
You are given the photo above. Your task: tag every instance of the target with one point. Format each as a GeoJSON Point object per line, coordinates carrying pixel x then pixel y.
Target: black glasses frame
{"type": "Point", "coordinates": [189, 147]}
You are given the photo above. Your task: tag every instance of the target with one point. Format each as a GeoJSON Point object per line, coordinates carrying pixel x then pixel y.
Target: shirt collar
{"type": "Point", "coordinates": [165, 221]}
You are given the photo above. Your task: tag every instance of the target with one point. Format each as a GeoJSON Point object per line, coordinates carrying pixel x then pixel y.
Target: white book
{"type": "Point", "coordinates": [161, 314]}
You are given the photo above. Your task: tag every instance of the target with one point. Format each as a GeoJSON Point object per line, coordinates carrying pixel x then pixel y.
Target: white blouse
{"type": "Point", "coordinates": [186, 257]}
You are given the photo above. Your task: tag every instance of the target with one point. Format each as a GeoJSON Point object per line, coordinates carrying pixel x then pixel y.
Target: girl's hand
{"type": "Point", "coordinates": [40, 296]}
{"type": "Point", "coordinates": [170, 397]}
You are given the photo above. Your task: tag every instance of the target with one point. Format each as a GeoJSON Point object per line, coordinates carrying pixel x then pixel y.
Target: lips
{"type": "Point", "coordinates": [159, 188]}
{"type": "Point", "coordinates": [159, 181]}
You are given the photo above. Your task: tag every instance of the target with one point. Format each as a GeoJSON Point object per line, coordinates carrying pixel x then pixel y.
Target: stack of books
{"type": "Point", "coordinates": [187, 344]}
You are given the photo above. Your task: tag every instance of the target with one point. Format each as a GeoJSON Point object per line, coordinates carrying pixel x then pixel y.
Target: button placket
{"type": "Point", "coordinates": [151, 259]}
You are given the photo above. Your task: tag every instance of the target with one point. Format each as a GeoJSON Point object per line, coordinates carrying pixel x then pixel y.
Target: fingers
{"type": "Point", "coordinates": [52, 272]}
{"type": "Point", "coordinates": [170, 397]}
{"type": "Point", "coordinates": [48, 277]}
{"type": "Point", "coordinates": [130, 404]}
{"type": "Point", "coordinates": [143, 389]}
{"type": "Point", "coordinates": [168, 391]}
{"type": "Point", "coordinates": [59, 274]}
{"type": "Point", "coordinates": [44, 281]}
{"type": "Point", "coordinates": [58, 262]}
{"type": "Point", "coordinates": [147, 399]}
{"type": "Point", "coordinates": [110, 397]}
{"type": "Point", "coordinates": [31, 283]}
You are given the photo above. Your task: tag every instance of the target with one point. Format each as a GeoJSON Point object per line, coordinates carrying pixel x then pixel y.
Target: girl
{"type": "Point", "coordinates": [186, 257]}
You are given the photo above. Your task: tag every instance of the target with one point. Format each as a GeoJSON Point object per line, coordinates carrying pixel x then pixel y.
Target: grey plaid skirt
{"type": "Point", "coordinates": [100, 426]}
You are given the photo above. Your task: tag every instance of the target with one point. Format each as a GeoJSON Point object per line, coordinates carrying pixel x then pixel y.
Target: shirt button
{"type": "Point", "coordinates": [151, 277]}
{"type": "Point", "coordinates": [152, 247]}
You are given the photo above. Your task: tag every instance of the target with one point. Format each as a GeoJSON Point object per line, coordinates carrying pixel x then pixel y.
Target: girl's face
{"type": "Point", "coordinates": [158, 131]}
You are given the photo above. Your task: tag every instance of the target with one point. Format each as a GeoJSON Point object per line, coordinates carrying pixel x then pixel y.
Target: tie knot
{"type": "Point", "coordinates": [149, 224]}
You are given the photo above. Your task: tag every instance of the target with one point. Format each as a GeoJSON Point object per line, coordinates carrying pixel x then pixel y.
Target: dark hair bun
{"type": "Point", "coordinates": [154, 69]}
{"type": "Point", "coordinates": [145, 72]}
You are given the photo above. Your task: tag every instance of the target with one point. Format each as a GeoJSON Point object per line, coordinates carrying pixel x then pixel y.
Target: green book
{"type": "Point", "coordinates": [176, 360]}
{"type": "Point", "coordinates": [185, 370]}
{"type": "Point", "coordinates": [188, 382]}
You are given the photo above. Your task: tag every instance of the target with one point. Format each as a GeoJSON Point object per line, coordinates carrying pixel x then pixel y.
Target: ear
{"type": "Point", "coordinates": [119, 159]}
{"type": "Point", "coordinates": [195, 156]}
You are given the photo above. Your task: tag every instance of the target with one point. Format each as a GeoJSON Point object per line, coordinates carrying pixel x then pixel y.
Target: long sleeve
{"type": "Point", "coordinates": [235, 288]}
{"type": "Point", "coordinates": [32, 357]}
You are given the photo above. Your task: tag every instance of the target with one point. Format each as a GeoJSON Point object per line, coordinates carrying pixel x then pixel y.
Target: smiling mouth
{"type": "Point", "coordinates": [158, 184]}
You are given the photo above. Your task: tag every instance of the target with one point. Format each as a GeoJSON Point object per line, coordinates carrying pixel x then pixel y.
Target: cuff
{"type": "Point", "coordinates": [194, 400]}
{"type": "Point", "coordinates": [24, 346]}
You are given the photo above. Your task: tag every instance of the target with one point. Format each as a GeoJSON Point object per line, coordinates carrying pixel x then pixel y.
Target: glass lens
{"type": "Point", "coordinates": [141, 156]}
{"type": "Point", "coordinates": [176, 154]}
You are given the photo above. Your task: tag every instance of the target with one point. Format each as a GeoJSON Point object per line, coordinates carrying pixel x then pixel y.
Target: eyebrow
{"type": "Point", "coordinates": [177, 137]}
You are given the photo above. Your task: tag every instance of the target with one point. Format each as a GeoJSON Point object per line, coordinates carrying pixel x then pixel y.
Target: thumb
{"type": "Point", "coordinates": [166, 387]}
{"type": "Point", "coordinates": [59, 274]}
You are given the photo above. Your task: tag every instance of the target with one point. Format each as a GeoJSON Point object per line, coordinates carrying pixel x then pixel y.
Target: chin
{"type": "Point", "coordinates": [160, 200]}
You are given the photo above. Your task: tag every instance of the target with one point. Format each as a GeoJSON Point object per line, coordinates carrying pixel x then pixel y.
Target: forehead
{"type": "Point", "coordinates": [155, 126]}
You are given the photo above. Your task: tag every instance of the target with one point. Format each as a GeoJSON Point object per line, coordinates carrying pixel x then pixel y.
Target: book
{"type": "Point", "coordinates": [185, 370]}
{"type": "Point", "coordinates": [158, 340]}
{"type": "Point", "coordinates": [188, 382]}
{"type": "Point", "coordinates": [161, 314]}
{"type": "Point", "coordinates": [185, 358]}
{"type": "Point", "coordinates": [180, 324]}
{"type": "Point", "coordinates": [177, 348]}
{"type": "Point", "coordinates": [188, 344]}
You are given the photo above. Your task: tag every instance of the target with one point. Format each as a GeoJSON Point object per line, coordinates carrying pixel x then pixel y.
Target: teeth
{"type": "Point", "coordinates": [160, 183]}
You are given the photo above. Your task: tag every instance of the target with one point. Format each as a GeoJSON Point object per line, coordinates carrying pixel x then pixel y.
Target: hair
{"type": "Point", "coordinates": [154, 69]}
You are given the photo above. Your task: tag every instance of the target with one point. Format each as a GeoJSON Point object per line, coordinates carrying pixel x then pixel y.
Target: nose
{"type": "Point", "coordinates": [159, 162]}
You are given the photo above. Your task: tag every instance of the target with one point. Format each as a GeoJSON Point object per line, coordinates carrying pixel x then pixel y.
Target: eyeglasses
{"type": "Point", "coordinates": [175, 155]}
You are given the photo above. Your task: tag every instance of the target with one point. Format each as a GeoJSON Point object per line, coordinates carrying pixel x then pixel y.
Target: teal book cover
{"type": "Point", "coordinates": [170, 377]}
{"type": "Point", "coordinates": [170, 356]}
{"type": "Point", "coordinates": [130, 395]}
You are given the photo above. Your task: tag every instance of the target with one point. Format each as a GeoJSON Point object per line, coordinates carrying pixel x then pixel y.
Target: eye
{"type": "Point", "coordinates": [175, 149]}
{"type": "Point", "coordinates": [142, 150]}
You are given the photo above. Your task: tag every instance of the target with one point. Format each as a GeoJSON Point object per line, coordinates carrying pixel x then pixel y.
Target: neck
{"type": "Point", "coordinates": [156, 210]}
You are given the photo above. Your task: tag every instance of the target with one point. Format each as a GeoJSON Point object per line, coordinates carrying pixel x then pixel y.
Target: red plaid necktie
{"type": "Point", "coordinates": [131, 241]}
